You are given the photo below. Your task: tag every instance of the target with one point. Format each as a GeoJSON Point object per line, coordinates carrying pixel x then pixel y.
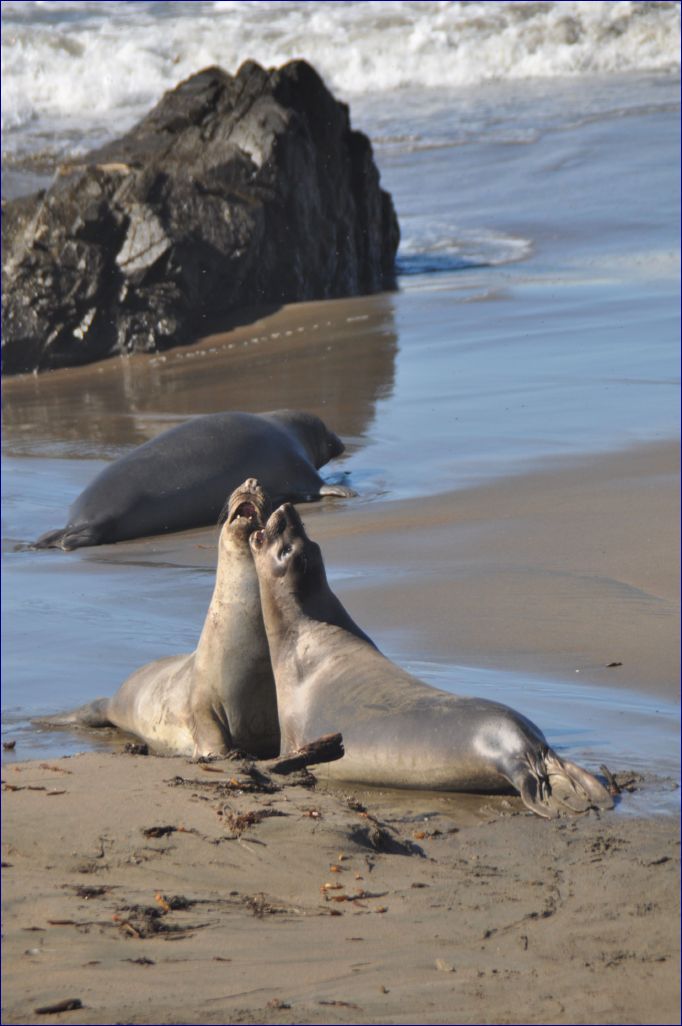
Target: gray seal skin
{"type": "Point", "coordinates": [180, 479]}
{"type": "Point", "coordinates": [221, 696]}
{"type": "Point", "coordinates": [397, 730]}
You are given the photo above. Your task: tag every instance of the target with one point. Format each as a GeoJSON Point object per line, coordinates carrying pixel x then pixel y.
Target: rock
{"type": "Point", "coordinates": [234, 191]}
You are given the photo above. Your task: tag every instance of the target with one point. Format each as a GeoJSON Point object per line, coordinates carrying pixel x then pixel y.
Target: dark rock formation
{"type": "Point", "coordinates": [234, 191]}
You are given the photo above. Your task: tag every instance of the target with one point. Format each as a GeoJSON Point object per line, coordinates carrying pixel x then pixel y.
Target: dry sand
{"type": "Point", "coordinates": [496, 916]}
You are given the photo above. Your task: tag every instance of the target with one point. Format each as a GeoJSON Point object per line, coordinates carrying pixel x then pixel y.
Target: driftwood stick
{"type": "Point", "coordinates": [327, 748]}
{"type": "Point", "coordinates": [59, 1006]}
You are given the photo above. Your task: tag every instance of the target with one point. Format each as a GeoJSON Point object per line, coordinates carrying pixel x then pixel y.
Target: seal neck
{"type": "Point", "coordinates": [235, 593]}
{"type": "Point", "coordinates": [288, 614]}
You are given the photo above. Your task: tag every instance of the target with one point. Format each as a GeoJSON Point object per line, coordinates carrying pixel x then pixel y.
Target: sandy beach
{"type": "Point", "coordinates": [456, 908]}
{"type": "Point", "coordinates": [492, 916]}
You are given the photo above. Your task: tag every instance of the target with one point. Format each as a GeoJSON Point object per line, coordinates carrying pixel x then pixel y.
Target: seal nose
{"type": "Point", "coordinates": [285, 518]}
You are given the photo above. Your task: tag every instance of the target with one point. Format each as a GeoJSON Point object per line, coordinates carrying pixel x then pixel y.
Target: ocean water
{"type": "Point", "coordinates": [532, 151]}
{"type": "Point", "coordinates": [69, 65]}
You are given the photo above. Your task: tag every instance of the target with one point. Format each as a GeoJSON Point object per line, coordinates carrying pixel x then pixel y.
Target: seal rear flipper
{"type": "Point", "coordinates": [50, 540]}
{"type": "Point", "coordinates": [550, 786]}
{"type": "Point", "coordinates": [75, 536]}
{"type": "Point", "coordinates": [93, 714]}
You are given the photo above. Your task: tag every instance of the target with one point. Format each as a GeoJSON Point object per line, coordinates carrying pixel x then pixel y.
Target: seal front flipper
{"type": "Point", "coordinates": [339, 491]}
{"type": "Point", "coordinates": [73, 536]}
{"type": "Point", "coordinates": [210, 736]}
{"type": "Point", "coordinates": [549, 786]}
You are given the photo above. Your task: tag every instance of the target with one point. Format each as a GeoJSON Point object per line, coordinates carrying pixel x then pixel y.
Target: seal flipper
{"type": "Point", "coordinates": [50, 540]}
{"type": "Point", "coordinates": [549, 786]}
{"type": "Point", "coordinates": [210, 736]}
{"type": "Point", "coordinates": [337, 490]}
{"type": "Point", "coordinates": [73, 536]}
{"type": "Point", "coordinates": [93, 714]}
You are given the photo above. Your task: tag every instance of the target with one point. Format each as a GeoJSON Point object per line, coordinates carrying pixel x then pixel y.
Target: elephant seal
{"type": "Point", "coordinates": [397, 730]}
{"type": "Point", "coordinates": [180, 479]}
{"type": "Point", "coordinates": [222, 695]}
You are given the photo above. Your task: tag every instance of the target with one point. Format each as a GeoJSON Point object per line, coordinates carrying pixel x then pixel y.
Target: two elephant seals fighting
{"type": "Point", "coordinates": [397, 730]}
{"type": "Point", "coordinates": [222, 695]}
{"type": "Point", "coordinates": [180, 479]}
{"type": "Point", "coordinates": [280, 662]}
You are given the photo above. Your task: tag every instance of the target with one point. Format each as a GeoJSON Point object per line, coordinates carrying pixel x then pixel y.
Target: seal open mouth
{"type": "Point", "coordinates": [248, 505]}
{"type": "Point", "coordinates": [245, 511]}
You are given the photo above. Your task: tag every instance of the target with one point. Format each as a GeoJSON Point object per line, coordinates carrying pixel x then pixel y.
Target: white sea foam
{"type": "Point", "coordinates": [67, 64]}
{"type": "Point", "coordinates": [428, 247]}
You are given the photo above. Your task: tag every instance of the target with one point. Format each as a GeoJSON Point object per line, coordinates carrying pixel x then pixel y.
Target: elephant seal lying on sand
{"type": "Point", "coordinates": [397, 730]}
{"type": "Point", "coordinates": [222, 695]}
{"type": "Point", "coordinates": [180, 479]}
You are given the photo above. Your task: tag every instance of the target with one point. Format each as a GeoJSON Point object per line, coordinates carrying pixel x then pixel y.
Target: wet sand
{"type": "Point", "coordinates": [561, 572]}
{"type": "Point", "coordinates": [541, 572]}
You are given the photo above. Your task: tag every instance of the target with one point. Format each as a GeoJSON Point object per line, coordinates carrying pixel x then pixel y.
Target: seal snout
{"type": "Point", "coordinates": [285, 520]}
{"type": "Point", "coordinates": [283, 531]}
